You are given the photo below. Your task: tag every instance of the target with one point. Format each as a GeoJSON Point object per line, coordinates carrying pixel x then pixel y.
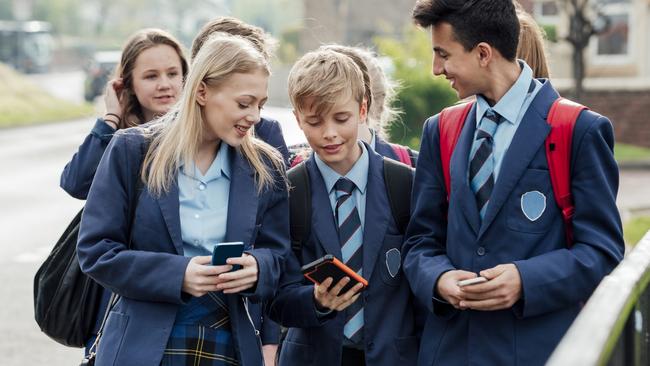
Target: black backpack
{"type": "Point", "coordinates": [66, 300]}
{"type": "Point", "coordinates": [397, 176]}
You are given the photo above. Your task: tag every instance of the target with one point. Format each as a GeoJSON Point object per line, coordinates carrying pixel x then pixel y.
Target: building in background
{"type": "Point", "coordinates": [617, 63]}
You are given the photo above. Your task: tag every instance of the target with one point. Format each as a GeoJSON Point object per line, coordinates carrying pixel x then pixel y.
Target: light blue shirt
{"type": "Point", "coordinates": [358, 174]}
{"type": "Point", "coordinates": [512, 106]}
{"type": "Point", "coordinates": [204, 204]}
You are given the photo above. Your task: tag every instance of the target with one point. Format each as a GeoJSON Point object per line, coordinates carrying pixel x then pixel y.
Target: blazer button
{"type": "Point", "coordinates": [480, 251]}
{"type": "Point", "coordinates": [370, 346]}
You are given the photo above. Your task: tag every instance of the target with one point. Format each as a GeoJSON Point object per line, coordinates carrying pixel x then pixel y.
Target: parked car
{"type": "Point", "coordinates": [101, 68]}
{"type": "Point", "coordinates": [26, 45]}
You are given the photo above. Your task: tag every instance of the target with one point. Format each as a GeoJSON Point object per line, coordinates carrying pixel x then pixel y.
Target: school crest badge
{"type": "Point", "coordinates": [393, 261]}
{"type": "Point", "coordinates": [533, 204]}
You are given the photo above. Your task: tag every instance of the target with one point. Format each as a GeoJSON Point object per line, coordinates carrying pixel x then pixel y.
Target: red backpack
{"type": "Point", "coordinates": [562, 117]}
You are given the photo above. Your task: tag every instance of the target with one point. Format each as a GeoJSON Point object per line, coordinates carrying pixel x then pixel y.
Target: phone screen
{"type": "Point", "coordinates": [223, 251]}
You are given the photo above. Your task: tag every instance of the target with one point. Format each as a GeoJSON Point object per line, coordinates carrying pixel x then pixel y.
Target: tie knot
{"type": "Point", "coordinates": [489, 124]}
{"type": "Point", "coordinates": [343, 186]}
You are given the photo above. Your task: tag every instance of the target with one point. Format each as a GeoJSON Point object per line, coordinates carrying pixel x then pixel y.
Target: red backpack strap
{"type": "Point", "coordinates": [402, 153]}
{"type": "Point", "coordinates": [562, 118]}
{"type": "Point", "coordinates": [450, 124]}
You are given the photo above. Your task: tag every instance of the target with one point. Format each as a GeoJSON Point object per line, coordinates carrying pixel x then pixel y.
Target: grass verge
{"type": "Point", "coordinates": [23, 103]}
{"type": "Point", "coordinates": [625, 152]}
{"type": "Point", "coordinates": [635, 228]}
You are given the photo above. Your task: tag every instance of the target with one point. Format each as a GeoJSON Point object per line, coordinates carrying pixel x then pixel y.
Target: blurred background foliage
{"type": "Point", "coordinates": [420, 94]}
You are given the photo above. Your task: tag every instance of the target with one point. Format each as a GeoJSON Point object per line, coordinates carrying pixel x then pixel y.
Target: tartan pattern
{"type": "Point", "coordinates": [201, 335]}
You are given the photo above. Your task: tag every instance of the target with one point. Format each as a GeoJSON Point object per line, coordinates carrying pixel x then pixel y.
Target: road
{"type": "Point", "coordinates": [34, 211]}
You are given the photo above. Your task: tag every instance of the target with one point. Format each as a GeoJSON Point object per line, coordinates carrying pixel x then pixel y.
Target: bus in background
{"type": "Point", "coordinates": [26, 45]}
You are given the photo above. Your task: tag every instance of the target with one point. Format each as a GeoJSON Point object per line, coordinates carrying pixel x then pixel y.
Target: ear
{"type": "Point", "coordinates": [485, 54]}
{"type": "Point", "coordinates": [363, 111]}
{"type": "Point", "coordinates": [202, 94]}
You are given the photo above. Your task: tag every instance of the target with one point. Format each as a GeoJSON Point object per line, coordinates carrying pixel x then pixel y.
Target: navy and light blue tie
{"type": "Point", "coordinates": [481, 165]}
{"type": "Point", "coordinates": [351, 238]}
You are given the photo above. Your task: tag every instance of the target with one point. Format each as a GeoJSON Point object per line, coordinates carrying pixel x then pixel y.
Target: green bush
{"type": "Point", "coordinates": [421, 95]}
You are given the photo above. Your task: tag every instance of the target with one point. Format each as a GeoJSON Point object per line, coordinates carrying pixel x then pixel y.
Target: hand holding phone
{"type": "Point", "coordinates": [222, 251]}
{"type": "Point", "coordinates": [330, 267]}
{"type": "Point", "coordinates": [471, 281]}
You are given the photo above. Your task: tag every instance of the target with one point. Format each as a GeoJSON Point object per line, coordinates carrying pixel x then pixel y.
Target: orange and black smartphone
{"type": "Point", "coordinates": [328, 266]}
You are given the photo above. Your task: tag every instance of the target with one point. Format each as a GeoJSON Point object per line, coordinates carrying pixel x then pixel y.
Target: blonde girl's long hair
{"type": "Point", "coordinates": [176, 136]}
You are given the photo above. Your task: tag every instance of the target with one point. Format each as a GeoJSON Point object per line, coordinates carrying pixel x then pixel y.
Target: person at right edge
{"type": "Point", "coordinates": [501, 221]}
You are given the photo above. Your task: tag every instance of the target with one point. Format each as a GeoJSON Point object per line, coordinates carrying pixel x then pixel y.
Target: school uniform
{"type": "Point", "coordinates": [78, 175]}
{"type": "Point", "coordinates": [388, 335]}
{"type": "Point", "coordinates": [149, 276]}
{"type": "Point", "coordinates": [79, 172]}
{"type": "Point", "coordinates": [555, 278]}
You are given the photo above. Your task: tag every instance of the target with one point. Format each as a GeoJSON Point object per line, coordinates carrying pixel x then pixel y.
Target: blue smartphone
{"type": "Point", "coordinates": [223, 251]}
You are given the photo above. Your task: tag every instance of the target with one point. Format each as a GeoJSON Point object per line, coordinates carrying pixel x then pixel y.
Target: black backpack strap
{"type": "Point", "coordinates": [399, 181]}
{"type": "Point", "coordinates": [299, 206]}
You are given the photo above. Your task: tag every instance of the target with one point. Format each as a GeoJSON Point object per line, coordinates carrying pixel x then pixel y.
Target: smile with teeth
{"type": "Point", "coordinates": [242, 129]}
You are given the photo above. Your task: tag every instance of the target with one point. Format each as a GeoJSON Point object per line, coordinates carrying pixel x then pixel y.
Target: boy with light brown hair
{"type": "Point", "coordinates": [351, 220]}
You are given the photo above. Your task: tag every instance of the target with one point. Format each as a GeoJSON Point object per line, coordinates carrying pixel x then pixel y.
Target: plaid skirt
{"type": "Point", "coordinates": [201, 335]}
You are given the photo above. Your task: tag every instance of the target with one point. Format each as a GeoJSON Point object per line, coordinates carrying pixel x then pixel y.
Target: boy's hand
{"type": "Point", "coordinates": [447, 286]}
{"type": "Point", "coordinates": [501, 291]}
{"type": "Point", "coordinates": [331, 299]}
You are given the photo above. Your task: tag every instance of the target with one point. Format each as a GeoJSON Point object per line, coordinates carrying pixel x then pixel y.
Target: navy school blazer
{"type": "Point", "coordinates": [149, 276]}
{"type": "Point", "coordinates": [556, 279]}
{"type": "Point", "coordinates": [390, 331]}
{"type": "Point", "coordinates": [79, 172]}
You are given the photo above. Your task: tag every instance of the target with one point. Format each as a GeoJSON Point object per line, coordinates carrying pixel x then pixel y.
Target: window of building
{"type": "Point", "coordinates": [614, 44]}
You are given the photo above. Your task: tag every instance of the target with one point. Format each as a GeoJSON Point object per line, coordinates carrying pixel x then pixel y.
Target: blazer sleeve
{"type": "Point", "coordinates": [78, 174]}
{"type": "Point", "coordinates": [270, 332]}
{"type": "Point", "coordinates": [294, 305]}
{"type": "Point", "coordinates": [271, 133]}
{"type": "Point", "coordinates": [568, 276]}
{"type": "Point", "coordinates": [103, 244]}
{"type": "Point", "coordinates": [271, 243]}
{"type": "Point", "coordinates": [425, 258]}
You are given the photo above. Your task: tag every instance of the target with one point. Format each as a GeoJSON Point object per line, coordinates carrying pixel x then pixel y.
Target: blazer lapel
{"type": "Point", "coordinates": [458, 171]}
{"type": "Point", "coordinates": [242, 200]}
{"type": "Point", "coordinates": [323, 223]}
{"type": "Point", "coordinates": [169, 206]}
{"type": "Point", "coordinates": [528, 139]}
{"type": "Point", "coordinates": [377, 214]}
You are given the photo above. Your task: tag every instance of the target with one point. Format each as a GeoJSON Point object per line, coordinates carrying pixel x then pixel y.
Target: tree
{"type": "Point", "coordinates": [585, 21]}
{"type": "Point", "coordinates": [421, 95]}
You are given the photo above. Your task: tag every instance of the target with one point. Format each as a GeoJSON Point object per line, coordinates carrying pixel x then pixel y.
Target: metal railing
{"type": "Point", "coordinates": [614, 326]}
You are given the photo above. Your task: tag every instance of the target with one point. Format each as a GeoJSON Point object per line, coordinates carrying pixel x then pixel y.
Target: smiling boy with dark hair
{"type": "Point", "coordinates": [499, 219]}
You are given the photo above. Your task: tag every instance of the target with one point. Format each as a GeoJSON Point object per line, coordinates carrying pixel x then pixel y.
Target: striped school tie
{"type": "Point", "coordinates": [350, 237]}
{"type": "Point", "coordinates": [481, 166]}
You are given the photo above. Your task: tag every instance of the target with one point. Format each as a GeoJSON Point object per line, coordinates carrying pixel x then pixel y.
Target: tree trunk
{"type": "Point", "coordinates": [578, 72]}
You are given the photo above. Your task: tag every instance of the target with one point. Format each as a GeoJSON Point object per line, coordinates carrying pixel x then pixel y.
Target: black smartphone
{"type": "Point", "coordinates": [329, 266]}
{"type": "Point", "coordinates": [223, 251]}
